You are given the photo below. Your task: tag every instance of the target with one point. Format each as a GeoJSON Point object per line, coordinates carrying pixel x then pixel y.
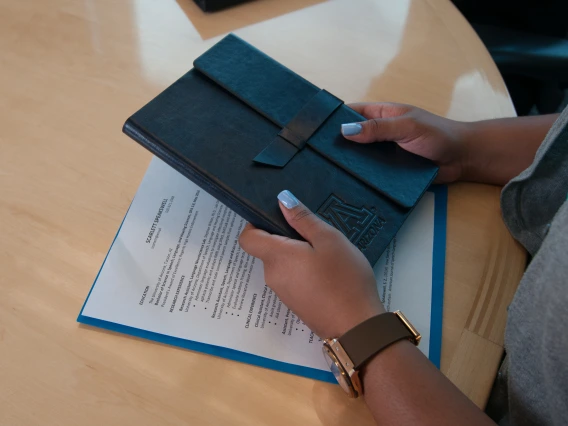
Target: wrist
{"type": "Point", "coordinates": [382, 359]}
{"type": "Point", "coordinates": [467, 158]}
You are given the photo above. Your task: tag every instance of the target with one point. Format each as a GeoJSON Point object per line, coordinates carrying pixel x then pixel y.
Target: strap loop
{"type": "Point", "coordinates": [299, 130]}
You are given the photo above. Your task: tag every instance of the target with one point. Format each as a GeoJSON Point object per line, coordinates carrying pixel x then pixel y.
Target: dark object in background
{"type": "Point", "coordinates": [214, 5]}
{"type": "Point", "coordinates": [535, 67]}
{"type": "Point", "coordinates": [244, 127]}
{"type": "Point", "coordinates": [528, 41]}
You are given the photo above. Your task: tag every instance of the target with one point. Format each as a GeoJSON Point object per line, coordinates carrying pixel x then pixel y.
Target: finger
{"type": "Point", "coordinates": [380, 109]}
{"type": "Point", "coordinates": [378, 130]}
{"type": "Point", "coordinates": [307, 224]}
{"type": "Point", "coordinates": [256, 242]}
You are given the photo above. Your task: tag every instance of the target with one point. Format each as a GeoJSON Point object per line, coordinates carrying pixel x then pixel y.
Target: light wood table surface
{"type": "Point", "coordinates": [73, 70]}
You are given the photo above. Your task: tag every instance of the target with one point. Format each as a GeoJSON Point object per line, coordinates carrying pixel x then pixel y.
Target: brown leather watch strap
{"type": "Point", "coordinates": [372, 336]}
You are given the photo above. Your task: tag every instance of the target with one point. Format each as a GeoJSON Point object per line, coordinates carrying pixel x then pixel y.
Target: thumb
{"type": "Point", "coordinates": [307, 224]}
{"type": "Point", "coordinates": [377, 130]}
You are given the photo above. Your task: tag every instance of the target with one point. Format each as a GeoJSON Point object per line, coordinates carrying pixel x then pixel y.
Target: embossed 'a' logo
{"type": "Point", "coordinates": [359, 224]}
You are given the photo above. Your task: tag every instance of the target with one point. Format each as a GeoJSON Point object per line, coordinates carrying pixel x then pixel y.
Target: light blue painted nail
{"type": "Point", "coordinates": [288, 199]}
{"type": "Point", "coordinates": [351, 129]}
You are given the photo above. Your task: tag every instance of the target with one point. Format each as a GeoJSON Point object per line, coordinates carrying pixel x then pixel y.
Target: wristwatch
{"type": "Point", "coordinates": [347, 354]}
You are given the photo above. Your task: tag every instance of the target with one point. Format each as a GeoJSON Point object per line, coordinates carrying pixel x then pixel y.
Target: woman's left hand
{"type": "Point", "coordinates": [325, 280]}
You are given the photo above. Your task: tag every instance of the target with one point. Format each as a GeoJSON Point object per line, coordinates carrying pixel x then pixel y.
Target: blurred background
{"type": "Point", "coordinates": [528, 41]}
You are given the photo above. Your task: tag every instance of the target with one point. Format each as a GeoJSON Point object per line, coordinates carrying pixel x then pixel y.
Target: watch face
{"type": "Point", "coordinates": [336, 369]}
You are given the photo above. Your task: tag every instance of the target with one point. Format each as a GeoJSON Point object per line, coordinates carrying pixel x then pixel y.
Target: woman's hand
{"type": "Point", "coordinates": [415, 130]}
{"type": "Point", "coordinates": [489, 151]}
{"type": "Point", "coordinates": [325, 280]}
{"type": "Point", "coordinates": [330, 285]}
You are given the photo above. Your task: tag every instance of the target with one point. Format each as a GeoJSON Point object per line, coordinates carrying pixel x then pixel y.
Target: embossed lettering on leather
{"type": "Point", "coordinates": [360, 224]}
{"type": "Point", "coordinates": [211, 123]}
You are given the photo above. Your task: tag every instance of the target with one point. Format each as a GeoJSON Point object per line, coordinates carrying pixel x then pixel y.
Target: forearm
{"type": "Point", "coordinates": [498, 150]}
{"type": "Point", "coordinates": [402, 387]}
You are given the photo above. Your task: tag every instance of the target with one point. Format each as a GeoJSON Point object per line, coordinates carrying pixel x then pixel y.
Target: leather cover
{"type": "Point", "coordinates": [244, 128]}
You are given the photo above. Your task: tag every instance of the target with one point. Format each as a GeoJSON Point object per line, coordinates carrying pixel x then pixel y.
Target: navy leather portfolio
{"type": "Point", "coordinates": [244, 127]}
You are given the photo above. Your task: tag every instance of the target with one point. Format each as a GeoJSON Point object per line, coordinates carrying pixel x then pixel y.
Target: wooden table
{"type": "Point", "coordinates": [73, 70]}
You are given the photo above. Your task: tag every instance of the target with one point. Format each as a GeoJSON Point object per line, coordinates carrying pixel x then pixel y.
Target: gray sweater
{"type": "Point", "coordinates": [535, 372]}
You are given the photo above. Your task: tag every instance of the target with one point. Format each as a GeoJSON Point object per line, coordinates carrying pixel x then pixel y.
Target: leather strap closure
{"type": "Point", "coordinates": [372, 336]}
{"type": "Point", "coordinates": [294, 136]}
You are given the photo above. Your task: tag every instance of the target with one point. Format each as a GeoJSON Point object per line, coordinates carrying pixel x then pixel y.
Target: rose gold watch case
{"type": "Point", "coordinates": [349, 376]}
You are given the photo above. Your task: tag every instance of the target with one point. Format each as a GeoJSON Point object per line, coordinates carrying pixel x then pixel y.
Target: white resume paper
{"type": "Point", "coordinates": [176, 269]}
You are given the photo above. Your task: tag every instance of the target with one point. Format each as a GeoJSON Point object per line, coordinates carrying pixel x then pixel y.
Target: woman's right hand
{"type": "Point", "coordinates": [415, 130]}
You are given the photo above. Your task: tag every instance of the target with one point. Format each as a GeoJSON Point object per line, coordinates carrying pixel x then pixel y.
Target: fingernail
{"type": "Point", "coordinates": [288, 199]}
{"type": "Point", "coordinates": [351, 129]}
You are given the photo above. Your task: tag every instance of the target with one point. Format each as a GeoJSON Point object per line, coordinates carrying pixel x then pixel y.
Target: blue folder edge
{"type": "Point", "coordinates": [439, 259]}
{"type": "Point", "coordinates": [438, 270]}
